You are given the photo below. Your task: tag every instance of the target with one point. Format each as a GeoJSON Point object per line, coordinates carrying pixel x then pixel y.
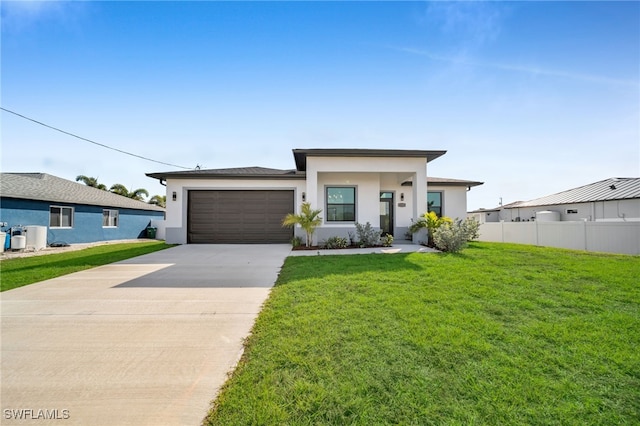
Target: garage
{"type": "Point", "coordinates": [238, 216]}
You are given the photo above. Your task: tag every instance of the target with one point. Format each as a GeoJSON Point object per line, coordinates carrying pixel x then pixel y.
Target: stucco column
{"type": "Point", "coordinates": [420, 204]}
{"type": "Point", "coordinates": [312, 192]}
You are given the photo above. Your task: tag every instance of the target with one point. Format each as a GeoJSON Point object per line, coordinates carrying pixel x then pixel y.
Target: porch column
{"type": "Point", "coordinates": [312, 193]}
{"type": "Point", "coordinates": [420, 204]}
{"type": "Point", "coordinates": [419, 186]}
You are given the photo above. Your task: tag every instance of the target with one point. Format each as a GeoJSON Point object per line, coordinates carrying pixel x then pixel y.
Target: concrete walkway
{"type": "Point", "coordinates": [147, 341]}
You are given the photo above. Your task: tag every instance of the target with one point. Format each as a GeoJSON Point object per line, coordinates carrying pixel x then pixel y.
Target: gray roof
{"type": "Point", "coordinates": [45, 187]}
{"type": "Point", "coordinates": [300, 155]}
{"type": "Point", "coordinates": [604, 190]}
{"type": "Point", "coordinates": [234, 173]}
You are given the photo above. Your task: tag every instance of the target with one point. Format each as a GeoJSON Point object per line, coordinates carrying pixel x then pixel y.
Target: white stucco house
{"type": "Point", "coordinates": [385, 187]}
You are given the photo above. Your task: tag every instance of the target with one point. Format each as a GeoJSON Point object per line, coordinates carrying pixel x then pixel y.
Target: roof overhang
{"type": "Point", "coordinates": [212, 174]}
{"type": "Point", "coordinates": [300, 155]}
{"type": "Point", "coordinates": [435, 181]}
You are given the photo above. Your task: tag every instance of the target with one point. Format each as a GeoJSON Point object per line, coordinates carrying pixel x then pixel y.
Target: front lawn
{"type": "Point", "coordinates": [499, 334]}
{"type": "Point", "coordinates": [22, 271]}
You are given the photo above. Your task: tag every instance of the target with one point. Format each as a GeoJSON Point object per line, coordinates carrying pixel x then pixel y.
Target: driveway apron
{"type": "Point", "coordinates": [146, 341]}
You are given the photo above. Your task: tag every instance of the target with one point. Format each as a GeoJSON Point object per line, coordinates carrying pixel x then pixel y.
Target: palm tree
{"type": "Point", "coordinates": [159, 200]}
{"type": "Point", "coordinates": [91, 181]}
{"type": "Point", "coordinates": [308, 219]}
{"type": "Point", "coordinates": [120, 189]}
{"type": "Point", "coordinates": [137, 194]}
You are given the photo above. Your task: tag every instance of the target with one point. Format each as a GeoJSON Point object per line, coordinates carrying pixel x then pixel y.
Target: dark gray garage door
{"type": "Point", "coordinates": [239, 216]}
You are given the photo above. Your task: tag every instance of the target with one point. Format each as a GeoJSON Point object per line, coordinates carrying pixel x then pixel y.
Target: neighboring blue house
{"type": "Point", "coordinates": [72, 212]}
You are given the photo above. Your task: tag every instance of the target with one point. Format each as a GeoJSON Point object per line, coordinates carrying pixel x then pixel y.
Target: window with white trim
{"type": "Point", "coordinates": [341, 203]}
{"type": "Point", "coordinates": [109, 218]}
{"type": "Point", "coordinates": [60, 217]}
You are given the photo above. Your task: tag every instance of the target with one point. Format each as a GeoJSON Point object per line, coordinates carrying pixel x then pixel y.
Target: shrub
{"type": "Point", "coordinates": [453, 237]}
{"type": "Point", "coordinates": [417, 225]}
{"type": "Point", "coordinates": [471, 228]}
{"type": "Point", "coordinates": [336, 243]}
{"type": "Point", "coordinates": [296, 242]}
{"type": "Point", "coordinates": [367, 236]}
{"type": "Point", "coordinates": [387, 240]}
{"type": "Point", "coordinates": [431, 222]}
{"type": "Point", "coordinates": [450, 238]}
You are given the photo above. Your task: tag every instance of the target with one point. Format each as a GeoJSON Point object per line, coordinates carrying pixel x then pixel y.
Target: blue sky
{"type": "Point", "coordinates": [531, 98]}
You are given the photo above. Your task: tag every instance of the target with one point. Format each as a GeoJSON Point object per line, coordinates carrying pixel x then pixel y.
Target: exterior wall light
{"type": "Point", "coordinates": [304, 197]}
{"type": "Point", "coordinates": [174, 196]}
{"type": "Point", "coordinates": [402, 196]}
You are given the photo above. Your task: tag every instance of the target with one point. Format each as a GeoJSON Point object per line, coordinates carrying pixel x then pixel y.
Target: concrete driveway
{"type": "Point", "coordinates": [147, 341]}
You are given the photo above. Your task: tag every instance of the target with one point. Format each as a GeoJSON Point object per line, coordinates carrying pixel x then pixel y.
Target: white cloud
{"type": "Point", "coordinates": [471, 22]}
{"type": "Point", "coordinates": [526, 69]}
{"type": "Point", "coordinates": [19, 15]}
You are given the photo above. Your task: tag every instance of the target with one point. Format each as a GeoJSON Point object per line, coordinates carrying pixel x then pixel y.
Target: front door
{"type": "Point", "coordinates": [386, 213]}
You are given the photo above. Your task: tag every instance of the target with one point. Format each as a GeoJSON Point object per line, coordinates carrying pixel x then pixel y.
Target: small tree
{"type": "Point", "coordinates": [91, 181]}
{"type": "Point", "coordinates": [308, 219]}
{"type": "Point", "coordinates": [136, 194]}
{"type": "Point", "coordinates": [159, 200]}
{"type": "Point", "coordinates": [431, 221]}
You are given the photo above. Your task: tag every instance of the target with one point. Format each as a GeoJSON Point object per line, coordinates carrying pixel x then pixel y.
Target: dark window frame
{"type": "Point", "coordinates": [328, 217]}
{"type": "Point", "coordinates": [439, 210]}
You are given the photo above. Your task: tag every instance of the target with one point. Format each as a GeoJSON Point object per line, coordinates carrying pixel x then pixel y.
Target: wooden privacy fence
{"type": "Point", "coordinates": [610, 237]}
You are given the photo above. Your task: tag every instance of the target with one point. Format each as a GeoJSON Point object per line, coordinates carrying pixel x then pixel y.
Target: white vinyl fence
{"type": "Point", "coordinates": [610, 237]}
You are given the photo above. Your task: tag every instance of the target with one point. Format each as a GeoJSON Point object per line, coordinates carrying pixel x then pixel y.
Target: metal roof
{"type": "Point", "coordinates": [300, 155]}
{"type": "Point", "coordinates": [45, 187]}
{"type": "Point", "coordinates": [233, 173]}
{"type": "Point", "coordinates": [604, 190]}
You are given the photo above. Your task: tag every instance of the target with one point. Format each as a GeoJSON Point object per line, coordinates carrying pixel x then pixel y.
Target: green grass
{"type": "Point", "coordinates": [499, 334]}
{"type": "Point", "coordinates": [22, 271]}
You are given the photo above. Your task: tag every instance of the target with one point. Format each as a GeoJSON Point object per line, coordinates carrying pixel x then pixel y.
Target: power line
{"type": "Point", "coordinates": [93, 142]}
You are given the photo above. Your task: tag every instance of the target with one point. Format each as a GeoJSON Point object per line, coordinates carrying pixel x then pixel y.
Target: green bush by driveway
{"type": "Point", "coordinates": [498, 334]}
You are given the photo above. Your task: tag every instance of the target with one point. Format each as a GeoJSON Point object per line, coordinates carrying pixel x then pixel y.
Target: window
{"type": "Point", "coordinates": [60, 217]}
{"type": "Point", "coordinates": [341, 204]}
{"type": "Point", "coordinates": [434, 201]}
{"type": "Point", "coordinates": [109, 218]}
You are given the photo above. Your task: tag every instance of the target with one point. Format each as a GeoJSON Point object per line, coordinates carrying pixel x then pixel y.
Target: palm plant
{"type": "Point", "coordinates": [119, 189]}
{"type": "Point", "coordinates": [91, 181]}
{"type": "Point", "coordinates": [308, 219]}
{"type": "Point", "coordinates": [431, 221]}
{"type": "Point", "coordinates": [137, 194]}
{"type": "Point", "coordinates": [159, 200]}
